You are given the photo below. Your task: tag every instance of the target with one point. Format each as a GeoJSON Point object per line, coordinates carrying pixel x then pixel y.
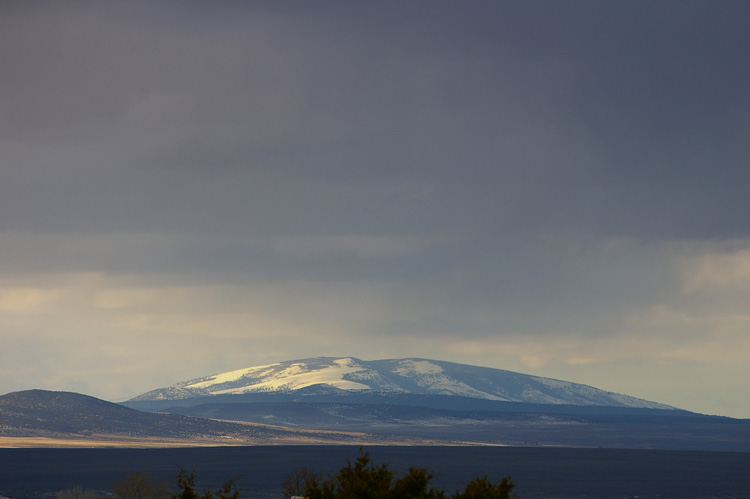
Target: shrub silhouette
{"type": "Point", "coordinates": [296, 482]}
{"type": "Point", "coordinates": [140, 485]}
{"type": "Point", "coordinates": [186, 487]}
{"type": "Point", "coordinates": [364, 480]}
{"type": "Point", "coordinates": [481, 488]}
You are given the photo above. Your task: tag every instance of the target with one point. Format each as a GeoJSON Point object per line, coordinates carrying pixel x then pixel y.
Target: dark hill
{"type": "Point", "coordinates": [64, 415]}
{"type": "Point", "coordinates": [47, 413]}
{"type": "Point", "coordinates": [66, 412]}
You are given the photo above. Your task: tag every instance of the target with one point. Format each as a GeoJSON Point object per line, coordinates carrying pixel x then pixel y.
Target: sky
{"type": "Point", "coordinates": [555, 188]}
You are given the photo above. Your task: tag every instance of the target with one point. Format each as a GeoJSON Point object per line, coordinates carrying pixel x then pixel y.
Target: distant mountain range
{"type": "Point", "coordinates": [350, 401]}
{"type": "Point", "coordinates": [348, 375]}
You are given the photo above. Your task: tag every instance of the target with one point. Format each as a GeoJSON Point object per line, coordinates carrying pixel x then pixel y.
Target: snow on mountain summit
{"type": "Point", "coordinates": [406, 376]}
{"type": "Point", "coordinates": [284, 377]}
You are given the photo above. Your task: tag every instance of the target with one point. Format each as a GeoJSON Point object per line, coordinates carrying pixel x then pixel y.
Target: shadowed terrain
{"type": "Point", "coordinates": [40, 417]}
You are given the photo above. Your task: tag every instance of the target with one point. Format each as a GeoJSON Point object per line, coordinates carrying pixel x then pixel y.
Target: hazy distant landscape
{"type": "Point", "coordinates": [393, 402]}
{"type": "Point", "coordinates": [557, 439]}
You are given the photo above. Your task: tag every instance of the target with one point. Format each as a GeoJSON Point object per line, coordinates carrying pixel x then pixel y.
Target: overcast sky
{"type": "Point", "coordinates": [556, 188]}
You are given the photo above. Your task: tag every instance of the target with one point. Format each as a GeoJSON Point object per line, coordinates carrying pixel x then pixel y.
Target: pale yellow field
{"type": "Point", "coordinates": [116, 442]}
{"type": "Point", "coordinates": [290, 436]}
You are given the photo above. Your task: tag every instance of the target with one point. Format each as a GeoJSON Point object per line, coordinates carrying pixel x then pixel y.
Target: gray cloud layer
{"type": "Point", "coordinates": [553, 181]}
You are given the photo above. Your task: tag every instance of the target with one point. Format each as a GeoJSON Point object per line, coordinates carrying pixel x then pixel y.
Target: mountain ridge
{"type": "Point", "coordinates": [417, 376]}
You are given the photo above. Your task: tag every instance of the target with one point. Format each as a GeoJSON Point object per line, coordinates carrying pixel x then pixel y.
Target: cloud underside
{"type": "Point", "coordinates": [188, 189]}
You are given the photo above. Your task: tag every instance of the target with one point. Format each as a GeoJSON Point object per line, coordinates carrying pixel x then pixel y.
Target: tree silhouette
{"type": "Point", "coordinates": [482, 488]}
{"type": "Point", "coordinates": [140, 485]}
{"type": "Point", "coordinates": [364, 480]}
{"type": "Point", "coordinates": [415, 485]}
{"type": "Point", "coordinates": [186, 486]}
{"type": "Point", "coordinates": [296, 482]}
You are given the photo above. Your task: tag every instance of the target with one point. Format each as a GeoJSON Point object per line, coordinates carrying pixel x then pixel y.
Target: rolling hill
{"type": "Point", "coordinates": [41, 417]}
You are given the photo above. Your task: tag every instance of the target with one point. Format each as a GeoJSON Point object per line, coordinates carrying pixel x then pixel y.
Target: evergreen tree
{"type": "Point", "coordinates": [186, 486]}
{"type": "Point", "coordinates": [482, 488]}
{"type": "Point", "coordinates": [360, 480]}
{"type": "Point", "coordinates": [297, 481]}
{"type": "Point", "coordinates": [140, 485]}
{"type": "Point", "coordinates": [365, 480]}
{"type": "Point", "coordinates": [228, 491]}
{"type": "Point", "coordinates": [415, 485]}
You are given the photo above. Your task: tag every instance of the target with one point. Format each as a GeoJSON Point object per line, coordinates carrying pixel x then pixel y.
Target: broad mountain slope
{"type": "Point", "coordinates": [397, 377]}
{"type": "Point", "coordinates": [417, 399]}
{"type": "Point", "coordinates": [527, 425]}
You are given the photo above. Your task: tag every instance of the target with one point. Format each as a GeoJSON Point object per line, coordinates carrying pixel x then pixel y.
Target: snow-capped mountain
{"type": "Point", "coordinates": [399, 376]}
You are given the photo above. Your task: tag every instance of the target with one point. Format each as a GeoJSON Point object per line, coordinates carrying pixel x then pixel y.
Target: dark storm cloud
{"type": "Point", "coordinates": [626, 118]}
